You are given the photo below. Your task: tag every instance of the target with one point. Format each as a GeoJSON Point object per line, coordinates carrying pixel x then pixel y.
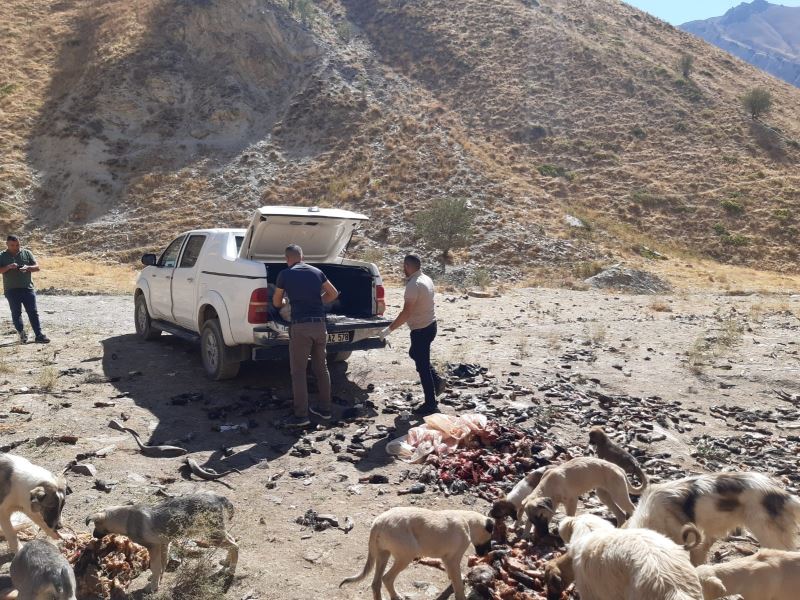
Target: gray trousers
{"type": "Point", "coordinates": [309, 339]}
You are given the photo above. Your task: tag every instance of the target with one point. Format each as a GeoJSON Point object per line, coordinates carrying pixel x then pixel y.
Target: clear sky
{"type": "Point", "coordinates": [680, 11]}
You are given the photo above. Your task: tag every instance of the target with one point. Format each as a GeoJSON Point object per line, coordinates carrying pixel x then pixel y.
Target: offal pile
{"type": "Point", "coordinates": [104, 565]}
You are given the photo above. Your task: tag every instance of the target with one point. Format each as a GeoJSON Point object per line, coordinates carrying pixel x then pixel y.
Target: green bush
{"type": "Point", "coordinates": [638, 132]}
{"type": "Point", "coordinates": [757, 102]}
{"type": "Point", "coordinates": [732, 207]}
{"type": "Point", "coordinates": [686, 65]}
{"type": "Point", "coordinates": [446, 225]}
{"type": "Point", "coordinates": [720, 230]}
{"type": "Point", "coordinates": [554, 171]}
{"type": "Point", "coordinates": [782, 214]}
{"type": "Point", "coordinates": [736, 240]}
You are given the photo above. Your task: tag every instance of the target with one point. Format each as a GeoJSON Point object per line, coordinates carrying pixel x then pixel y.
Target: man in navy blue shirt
{"type": "Point", "coordinates": [308, 290]}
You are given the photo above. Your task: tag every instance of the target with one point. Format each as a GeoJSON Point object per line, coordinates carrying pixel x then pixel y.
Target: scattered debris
{"type": "Point", "coordinates": [102, 566]}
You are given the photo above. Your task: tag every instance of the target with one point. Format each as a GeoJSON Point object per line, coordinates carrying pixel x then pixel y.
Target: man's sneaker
{"type": "Point", "coordinates": [296, 422]}
{"type": "Point", "coordinates": [23, 337]}
{"type": "Point", "coordinates": [423, 410]}
{"type": "Point", "coordinates": [42, 339]}
{"type": "Point", "coordinates": [324, 415]}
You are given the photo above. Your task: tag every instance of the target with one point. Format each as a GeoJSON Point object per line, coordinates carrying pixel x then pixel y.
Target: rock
{"type": "Point", "coordinates": [632, 281]}
{"type": "Point", "coordinates": [105, 485]}
{"type": "Point", "coordinates": [574, 222]}
{"type": "Point", "coordinates": [85, 469]}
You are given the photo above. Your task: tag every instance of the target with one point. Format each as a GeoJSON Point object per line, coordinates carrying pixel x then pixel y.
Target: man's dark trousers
{"type": "Point", "coordinates": [17, 298]}
{"type": "Point", "coordinates": [420, 353]}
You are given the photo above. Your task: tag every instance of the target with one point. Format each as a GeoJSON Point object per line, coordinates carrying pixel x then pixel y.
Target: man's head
{"type": "Point", "coordinates": [294, 254]}
{"type": "Point", "coordinates": [12, 243]}
{"type": "Point", "coordinates": [411, 264]}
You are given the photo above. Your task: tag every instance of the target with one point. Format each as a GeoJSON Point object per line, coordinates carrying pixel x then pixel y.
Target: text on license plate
{"type": "Point", "coordinates": [340, 338]}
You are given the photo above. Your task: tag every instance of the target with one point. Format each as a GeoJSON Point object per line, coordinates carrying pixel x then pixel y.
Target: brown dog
{"type": "Point", "coordinates": [407, 533]}
{"type": "Point", "coordinates": [608, 450]}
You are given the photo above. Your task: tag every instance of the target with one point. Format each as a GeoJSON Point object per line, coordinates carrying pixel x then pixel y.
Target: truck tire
{"type": "Point", "coordinates": [220, 361]}
{"type": "Point", "coordinates": [338, 357]}
{"type": "Point", "coordinates": [141, 317]}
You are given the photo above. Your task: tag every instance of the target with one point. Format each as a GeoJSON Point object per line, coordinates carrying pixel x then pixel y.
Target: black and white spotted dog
{"type": "Point", "coordinates": [718, 504]}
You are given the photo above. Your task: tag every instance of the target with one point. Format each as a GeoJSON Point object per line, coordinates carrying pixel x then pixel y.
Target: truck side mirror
{"type": "Point", "coordinates": [149, 260]}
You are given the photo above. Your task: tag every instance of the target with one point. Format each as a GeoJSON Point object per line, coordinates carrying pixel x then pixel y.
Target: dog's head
{"type": "Point", "coordinates": [553, 580]}
{"type": "Point", "coordinates": [597, 437]}
{"type": "Point", "coordinates": [109, 521]}
{"type": "Point", "coordinates": [540, 511]}
{"type": "Point", "coordinates": [502, 509]}
{"type": "Point", "coordinates": [48, 499]}
{"type": "Point", "coordinates": [480, 533]}
{"type": "Point", "coordinates": [572, 528]}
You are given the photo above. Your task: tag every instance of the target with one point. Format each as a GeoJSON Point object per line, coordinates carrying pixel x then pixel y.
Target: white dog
{"type": "Point", "coordinates": [628, 564]}
{"type": "Point", "coordinates": [409, 533]}
{"type": "Point", "coordinates": [766, 575]}
{"type": "Point", "coordinates": [718, 504]}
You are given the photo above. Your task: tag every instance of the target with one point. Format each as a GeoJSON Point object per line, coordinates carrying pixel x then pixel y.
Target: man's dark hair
{"type": "Point", "coordinates": [294, 251]}
{"type": "Point", "coordinates": [412, 260]}
{"type": "Point", "coordinates": [12, 238]}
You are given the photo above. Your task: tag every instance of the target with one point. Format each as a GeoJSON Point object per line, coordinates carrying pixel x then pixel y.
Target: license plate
{"type": "Point", "coordinates": [340, 338]}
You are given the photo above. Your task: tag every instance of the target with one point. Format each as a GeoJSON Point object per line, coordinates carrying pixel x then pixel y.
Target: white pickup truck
{"type": "Point", "coordinates": [214, 286]}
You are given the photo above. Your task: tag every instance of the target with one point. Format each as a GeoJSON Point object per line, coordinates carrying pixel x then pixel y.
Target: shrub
{"type": "Point", "coordinates": [446, 225]}
{"type": "Point", "coordinates": [554, 171]}
{"type": "Point", "coordinates": [638, 132]}
{"type": "Point", "coordinates": [685, 65]}
{"type": "Point", "coordinates": [732, 207]}
{"type": "Point", "coordinates": [720, 230]}
{"type": "Point", "coordinates": [345, 31]}
{"type": "Point", "coordinates": [586, 269]}
{"type": "Point", "coordinates": [736, 240]}
{"type": "Point", "coordinates": [782, 214]}
{"type": "Point", "coordinates": [757, 102]}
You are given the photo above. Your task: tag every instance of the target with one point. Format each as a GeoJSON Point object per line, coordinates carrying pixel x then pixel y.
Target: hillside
{"type": "Point", "coordinates": [122, 124]}
{"type": "Point", "coordinates": [765, 35]}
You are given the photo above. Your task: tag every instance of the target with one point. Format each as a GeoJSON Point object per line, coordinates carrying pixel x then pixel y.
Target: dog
{"type": "Point", "coordinates": [32, 490]}
{"type": "Point", "coordinates": [766, 575]}
{"type": "Point", "coordinates": [629, 564]}
{"type": "Point", "coordinates": [40, 572]}
{"type": "Point", "coordinates": [718, 504]}
{"type": "Point", "coordinates": [510, 505]}
{"type": "Point", "coordinates": [407, 533]}
{"type": "Point", "coordinates": [608, 450]}
{"type": "Point", "coordinates": [154, 527]}
{"type": "Point", "coordinates": [565, 483]}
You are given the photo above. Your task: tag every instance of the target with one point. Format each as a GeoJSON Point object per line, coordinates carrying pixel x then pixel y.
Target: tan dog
{"type": "Point", "coordinates": [766, 575]}
{"type": "Point", "coordinates": [407, 533]}
{"type": "Point", "coordinates": [566, 482]}
{"type": "Point", "coordinates": [154, 527]}
{"type": "Point", "coordinates": [628, 564]}
{"type": "Point", "coordinates": [32, 490]}
{"type": "Point", "coordinates": [718, 504]}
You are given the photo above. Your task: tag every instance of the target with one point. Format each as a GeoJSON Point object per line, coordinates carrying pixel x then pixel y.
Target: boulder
{"type": "Point", "coordinates": [632, 281]}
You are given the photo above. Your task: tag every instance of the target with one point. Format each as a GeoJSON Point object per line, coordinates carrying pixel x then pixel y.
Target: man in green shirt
{"type": "Point", "coordinates": [16, 265]}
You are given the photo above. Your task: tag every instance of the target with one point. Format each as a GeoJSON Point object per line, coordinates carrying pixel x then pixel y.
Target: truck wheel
{"type": "Point", "coordinates": [144, 324]}
{"type": "Point", "coordinates": [338, 357]}
{"type": "Point", "coordinates": [220, 361]}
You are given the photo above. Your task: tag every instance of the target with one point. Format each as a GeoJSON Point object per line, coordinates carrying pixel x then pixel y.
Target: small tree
{"type": "Point", "coordinates": [757, 102]}
{"type": "Point", "coordinates": [686, 65]}
{"type": "Point", "coordinates": [446, 225]}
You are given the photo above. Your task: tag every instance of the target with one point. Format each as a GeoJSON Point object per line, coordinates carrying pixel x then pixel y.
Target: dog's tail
{"type": "Point", "coordinates": [372, 550]}
{"type": "Point", "coordinates": [691, 536]}
{"type": "Point", "coordinates": [640, 475]}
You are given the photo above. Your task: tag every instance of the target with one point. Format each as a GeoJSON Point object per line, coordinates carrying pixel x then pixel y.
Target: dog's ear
{"type": "Point", "coordinates": [95, 517]}
{"type": "Point", "coordinates": [545, 505]}
{"type": "Point", "coordinates": [38, 494]}
{"type": "Point", "coordinates": [489, 525]}
{"type": "Point", "coordinates": [502, 508]}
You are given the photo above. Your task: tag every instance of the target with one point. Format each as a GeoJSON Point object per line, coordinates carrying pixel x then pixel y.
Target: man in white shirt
{"type": "Point", "coordinates": [419, 313]}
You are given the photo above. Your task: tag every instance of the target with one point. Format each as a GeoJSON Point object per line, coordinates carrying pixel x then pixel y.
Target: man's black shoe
{"type": "Point", "coordinates": [425, 409]}
{"type": "Point", "coordinates": [296, 422]}
{"type": "Point", "coordinates": [23, 337]}
{"type": "Point", "coordinates": [321, 414]}
{"type": "Point", "coordinates": [42, 339]}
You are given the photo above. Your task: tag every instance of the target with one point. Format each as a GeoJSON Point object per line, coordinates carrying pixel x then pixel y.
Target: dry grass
{"type": "Point", "coordinates": [84, 274]}
{"type": "Point", "coordinates": [48, 377]}
{"type": "Point", "coordinates": [660, 305]}
{"type": "Point", "coordinates": [6, 367]}
{"type": "Point", "coordinates": [195, 579]}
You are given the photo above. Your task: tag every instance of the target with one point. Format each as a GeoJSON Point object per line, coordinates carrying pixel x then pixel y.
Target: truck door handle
{"type": "Point", "coordinates": [190, 279]}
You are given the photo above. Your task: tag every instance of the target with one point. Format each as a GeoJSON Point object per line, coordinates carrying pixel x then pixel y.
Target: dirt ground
{"type": "Point", "coordinates": [699, 349]}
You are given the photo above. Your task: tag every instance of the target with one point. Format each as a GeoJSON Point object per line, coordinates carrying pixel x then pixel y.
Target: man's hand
{"type": "Point", "coordinates": [24, 268]}
{"type": "Point", "coordinates": [384, 333]}
{"type": "Point", "coordinates": [12, 266]}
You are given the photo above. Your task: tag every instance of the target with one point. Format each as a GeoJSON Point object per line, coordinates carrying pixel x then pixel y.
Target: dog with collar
{"type": "Point", "coordinates": [407, 533]}
{"type": "Point", "coordinates": [32, 490]}
{"type": "Point", "coordinates": [718, 504]}
{"type": "Point", "coordinates": [201, 515]}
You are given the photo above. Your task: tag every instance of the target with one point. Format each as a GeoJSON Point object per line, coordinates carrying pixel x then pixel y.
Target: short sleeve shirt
{"type": "Point", "coordinates": [420, 291]}
{"type": "Point", "coordinates": [303, 284]}
{"type": "Point", "coordinates": [16, 279]}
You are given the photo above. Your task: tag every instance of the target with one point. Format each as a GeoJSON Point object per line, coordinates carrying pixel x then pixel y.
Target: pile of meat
{"type": "Point", "coordinates": [514, 572]}
{"type": "Point", "coordinates": [102, 566]}
{"type": "Point", "coordinates": [473, 452]}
